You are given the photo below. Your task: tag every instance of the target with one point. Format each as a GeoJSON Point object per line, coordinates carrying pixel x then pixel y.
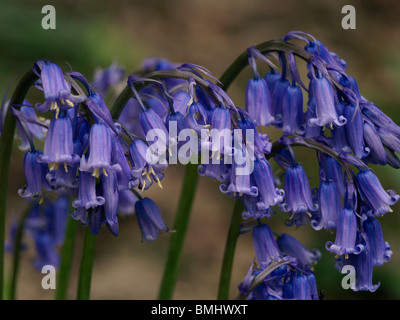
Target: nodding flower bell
{"type": "Point", "coordinates": [292, 110]}
{"type": "Point", "coordinates": [57, 91]}
{"type": "Point", "coordinates": [321, 91]}
{"type": "Point", "coordinates": [59, 145]}
{"type": "Point", "coordinates": [294, 248]}
{"type": "Point", "coordinates": [300, 286]}
{"type": "Point", "coordinates": [149, 218]}
{"type": "Point", "coordinates": [346, 235]}
{"type": "Point", "coordinates": [354, 130]}
{"type": "Point", "coordinates": [373, 194]}
{"type": "Point", "coordinates": [100, 148]}
{"type": "Point", "coordinates": [298, 198]}
{"type": "Point", "coordinates": [263, 177]}
{"type": "Point", "coordinates": [258, 102]}
{"type": "Point", "coordinates": [35, 175]}
{"type": "Point", "coordinates": [87, 194]}
{"type": "Point", "coordinates": [379, 249]}
{"type": "Point", "coordinates": [265, 244]}
{"type": "Point", "coordinates": [146, 167]}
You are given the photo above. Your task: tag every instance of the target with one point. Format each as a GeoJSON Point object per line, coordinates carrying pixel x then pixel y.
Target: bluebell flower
{"type": "Point", "coordinates": [252, 210]}
{"type": "Point", "coordinates": [221, 134]}
{"type": "Point", "coordinates": [277, 94]}
{"type": "Point", "coordinates": [346, 235]}
{"type": "Point", "coordinates": [150, 120]}
{"type": "Point", "coordinates": [218, 171]}
{"type": "Point", "coordinates": [149, 219]}
{"type": "Point", "coordinates": [298, 198]}
{"type": "Point", "coordinates": [265, 245]}
{"type": "Point", "coordinates": [330, 206]}
{"type": "Point", "coordinates": [59, 146]}
{"type": "Point", "coordinates": [379, 249]}
{"type": "Point", "coordinates": [258, 102]}
{"type": "Point", "coordinates": [197, 117]}
{"type": "Point", "coordinates": [294, 248]}
{"type": "Point", "coordinates": [373, 194]}
{"type": "Point", "coordinates": [29, 126]}
{"type": "Point", "coordinates": [110, 194]}
{"type": "Point", "coordinates": [322, 92]}
{"type": "Point", "coordinates": [374, 143]}
{"type": "Point", "coordinates": [87, 196]}
{"type": "Point", "coordinates": [145, 168]}
{"type": "Point", "coordinates": [354, 130]}
{"type": "Point", "coordinates": [292, 110]}
{"type": "Point", "coordinates": [100, 148]}
{"type": "Point", "coordinates": [57, 91]}
{"type": "Point", "coordinates": [298, 286]}
{"type": "Point", "coordinates": [35, 175]}
{"type": "Point", "coordinates": [263, 177]}
{"type": "Point", "coordinates": [363, 269]}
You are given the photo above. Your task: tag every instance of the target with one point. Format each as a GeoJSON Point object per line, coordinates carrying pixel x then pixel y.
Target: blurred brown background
{"type": "Point", "coordinates": [90, 34]}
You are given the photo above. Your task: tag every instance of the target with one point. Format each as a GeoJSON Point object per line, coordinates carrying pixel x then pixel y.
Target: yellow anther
{"type": "Point", "coordinates": [96, 173]}
{"type": "Point", "coordinates": [53, 166]}
{"type": "Point", "coordinates": [62, 101]}
{"type": "Point", "coordinates": [65, 167]}
{"type": "Point", "coordinates": [105, 172]}
{"type": "Point", "coordinates": [69, 103]}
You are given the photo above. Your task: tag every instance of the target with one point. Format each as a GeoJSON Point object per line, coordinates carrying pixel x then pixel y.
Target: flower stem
{"type": "Point", "coordinates": [66, 259]}
{"type": "Point", "coordinates": [85, 272]}
{"type": "Point", "coordinates": [229, 253]}
{"type": "Point", "coordinates": [17, 250]}
{"type": "Point", "coordinates": [6, 143]}
{"type": "Point", "coordinates": [180, 228]}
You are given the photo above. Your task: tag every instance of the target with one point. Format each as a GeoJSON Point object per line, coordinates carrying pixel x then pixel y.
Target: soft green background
{"type": "Point", "coordinates": [211, 33]}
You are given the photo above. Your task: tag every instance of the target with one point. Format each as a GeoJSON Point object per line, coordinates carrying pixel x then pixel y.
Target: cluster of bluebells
{"type": "Point", "coordinates": [105, 164]}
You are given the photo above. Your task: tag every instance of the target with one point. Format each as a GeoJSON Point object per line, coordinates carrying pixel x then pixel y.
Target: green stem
{"type": "Point", "coordinates": [180, 227]}
{"type": "Point", "coordinates": [229, 253]}
{"type": "Point", "coordinates": [241, 61]}
{"type": "Point", "coordinates": [16, 255]}
{"type": "Point", "coordinates": [86, 268]}
{"type": "Point", "coordinates": [6, 144]}
{"type": "Point", "coordinates": [67, 253]}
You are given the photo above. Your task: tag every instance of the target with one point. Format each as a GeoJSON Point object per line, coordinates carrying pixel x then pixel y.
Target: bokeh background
{"type": "Point", "coordinates": [91, 34]}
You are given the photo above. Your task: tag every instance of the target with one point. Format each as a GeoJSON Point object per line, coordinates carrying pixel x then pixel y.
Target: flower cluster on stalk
{"type": "Point", "coordinates": [104, 164]}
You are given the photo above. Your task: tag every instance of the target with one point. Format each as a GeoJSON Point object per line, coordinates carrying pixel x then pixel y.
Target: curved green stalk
{"type": "Point", "coordinates": [86, 268]}
{"type": "Point", "coordinates": [6, 144]}
{"type": "Point", "coordinates": [16, 253]}
{"type": "Point", "coordinates": [66, 259]}
{"type": "Point", "coordinates": [229, 253]}
{"type": "Point", "coordinates": [178, 236]}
